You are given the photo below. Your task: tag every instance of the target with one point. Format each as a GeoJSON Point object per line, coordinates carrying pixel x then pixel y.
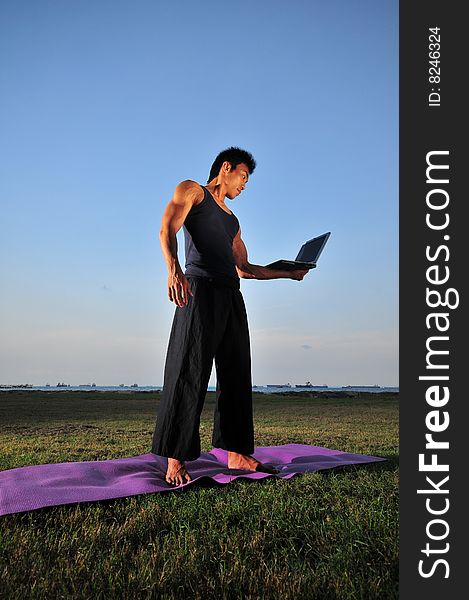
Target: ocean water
{"type": "Point", "coordinates": [152, 388]}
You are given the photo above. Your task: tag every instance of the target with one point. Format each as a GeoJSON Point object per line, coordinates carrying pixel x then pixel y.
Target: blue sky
{"type": "Point", "coordinates": [106, 106]}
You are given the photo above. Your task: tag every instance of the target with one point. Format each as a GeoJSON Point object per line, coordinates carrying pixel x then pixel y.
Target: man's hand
{"type": "Point", "coordinates": [179, 288]}
{"type": "Point", "coordinates": [298, 274]}
{"type": "Point", "coordinates": [246, 270]}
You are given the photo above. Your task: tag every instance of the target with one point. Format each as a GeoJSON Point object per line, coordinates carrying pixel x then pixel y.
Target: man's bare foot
{"type": "Point", "coordinates": [176, 473]}
{"type": "Point", "coordinates": [248, 463]}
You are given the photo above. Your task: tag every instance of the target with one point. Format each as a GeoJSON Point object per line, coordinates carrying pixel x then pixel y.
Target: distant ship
{"type": "Point", "coordinates": [134, 385]}
{"type": "Point", "coordinates": [282, 385]}
{"type": "Point", "coordinates": [364, 387]}
{"type": "Point", "coordinates": [18, 385]}
{"type": "Point", "coordinates": [62, 385]}
{"type": "Point", "coordinates": [308, 384]}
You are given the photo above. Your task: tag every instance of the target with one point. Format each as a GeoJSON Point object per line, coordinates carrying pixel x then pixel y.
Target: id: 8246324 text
{"type": "Point", "coordinates": [434, 71]}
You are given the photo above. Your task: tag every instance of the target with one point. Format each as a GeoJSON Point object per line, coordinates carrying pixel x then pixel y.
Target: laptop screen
{"type": "Point", "coordinates": [310, 251]}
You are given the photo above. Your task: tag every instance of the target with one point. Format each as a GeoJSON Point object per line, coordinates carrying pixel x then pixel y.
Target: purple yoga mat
{"type": "Point", "coordinates": [37, 486]}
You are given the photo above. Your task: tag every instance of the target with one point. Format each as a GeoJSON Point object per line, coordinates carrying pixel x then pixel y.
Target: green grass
{"type": "Point", "coordinates": [324, 535]}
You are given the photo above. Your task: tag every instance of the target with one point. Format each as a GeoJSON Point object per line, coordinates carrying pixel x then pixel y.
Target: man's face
{"type": "Point", "coordinates": [236, 179]}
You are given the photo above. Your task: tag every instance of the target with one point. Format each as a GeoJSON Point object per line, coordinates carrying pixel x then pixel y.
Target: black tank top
{"type": "Point", "coordinates": [209, 232]}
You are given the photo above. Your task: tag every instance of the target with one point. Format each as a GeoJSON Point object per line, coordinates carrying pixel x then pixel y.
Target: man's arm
{"type": "Point", "coordinates": [187, 193]}
{"type": "Point", "coordinates": [246, 270]}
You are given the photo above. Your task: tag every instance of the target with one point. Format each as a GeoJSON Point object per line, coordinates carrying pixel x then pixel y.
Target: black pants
{"type": "Point", "coordinates": [213, 325]}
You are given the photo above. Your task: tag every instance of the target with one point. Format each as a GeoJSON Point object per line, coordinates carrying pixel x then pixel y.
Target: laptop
{"type": "Point", "coordinates": [307, 256]}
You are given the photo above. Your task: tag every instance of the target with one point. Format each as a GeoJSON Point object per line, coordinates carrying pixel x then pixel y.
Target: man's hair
{"type": "Point", "coordinates": [234, 156]}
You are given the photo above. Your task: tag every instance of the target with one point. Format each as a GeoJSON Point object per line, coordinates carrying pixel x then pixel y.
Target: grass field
{"type": "Point", "coordinates": [323, 535]}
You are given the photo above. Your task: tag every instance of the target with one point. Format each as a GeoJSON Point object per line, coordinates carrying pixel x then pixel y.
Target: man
{"type": "Point", "coordinates": [210, 321]}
